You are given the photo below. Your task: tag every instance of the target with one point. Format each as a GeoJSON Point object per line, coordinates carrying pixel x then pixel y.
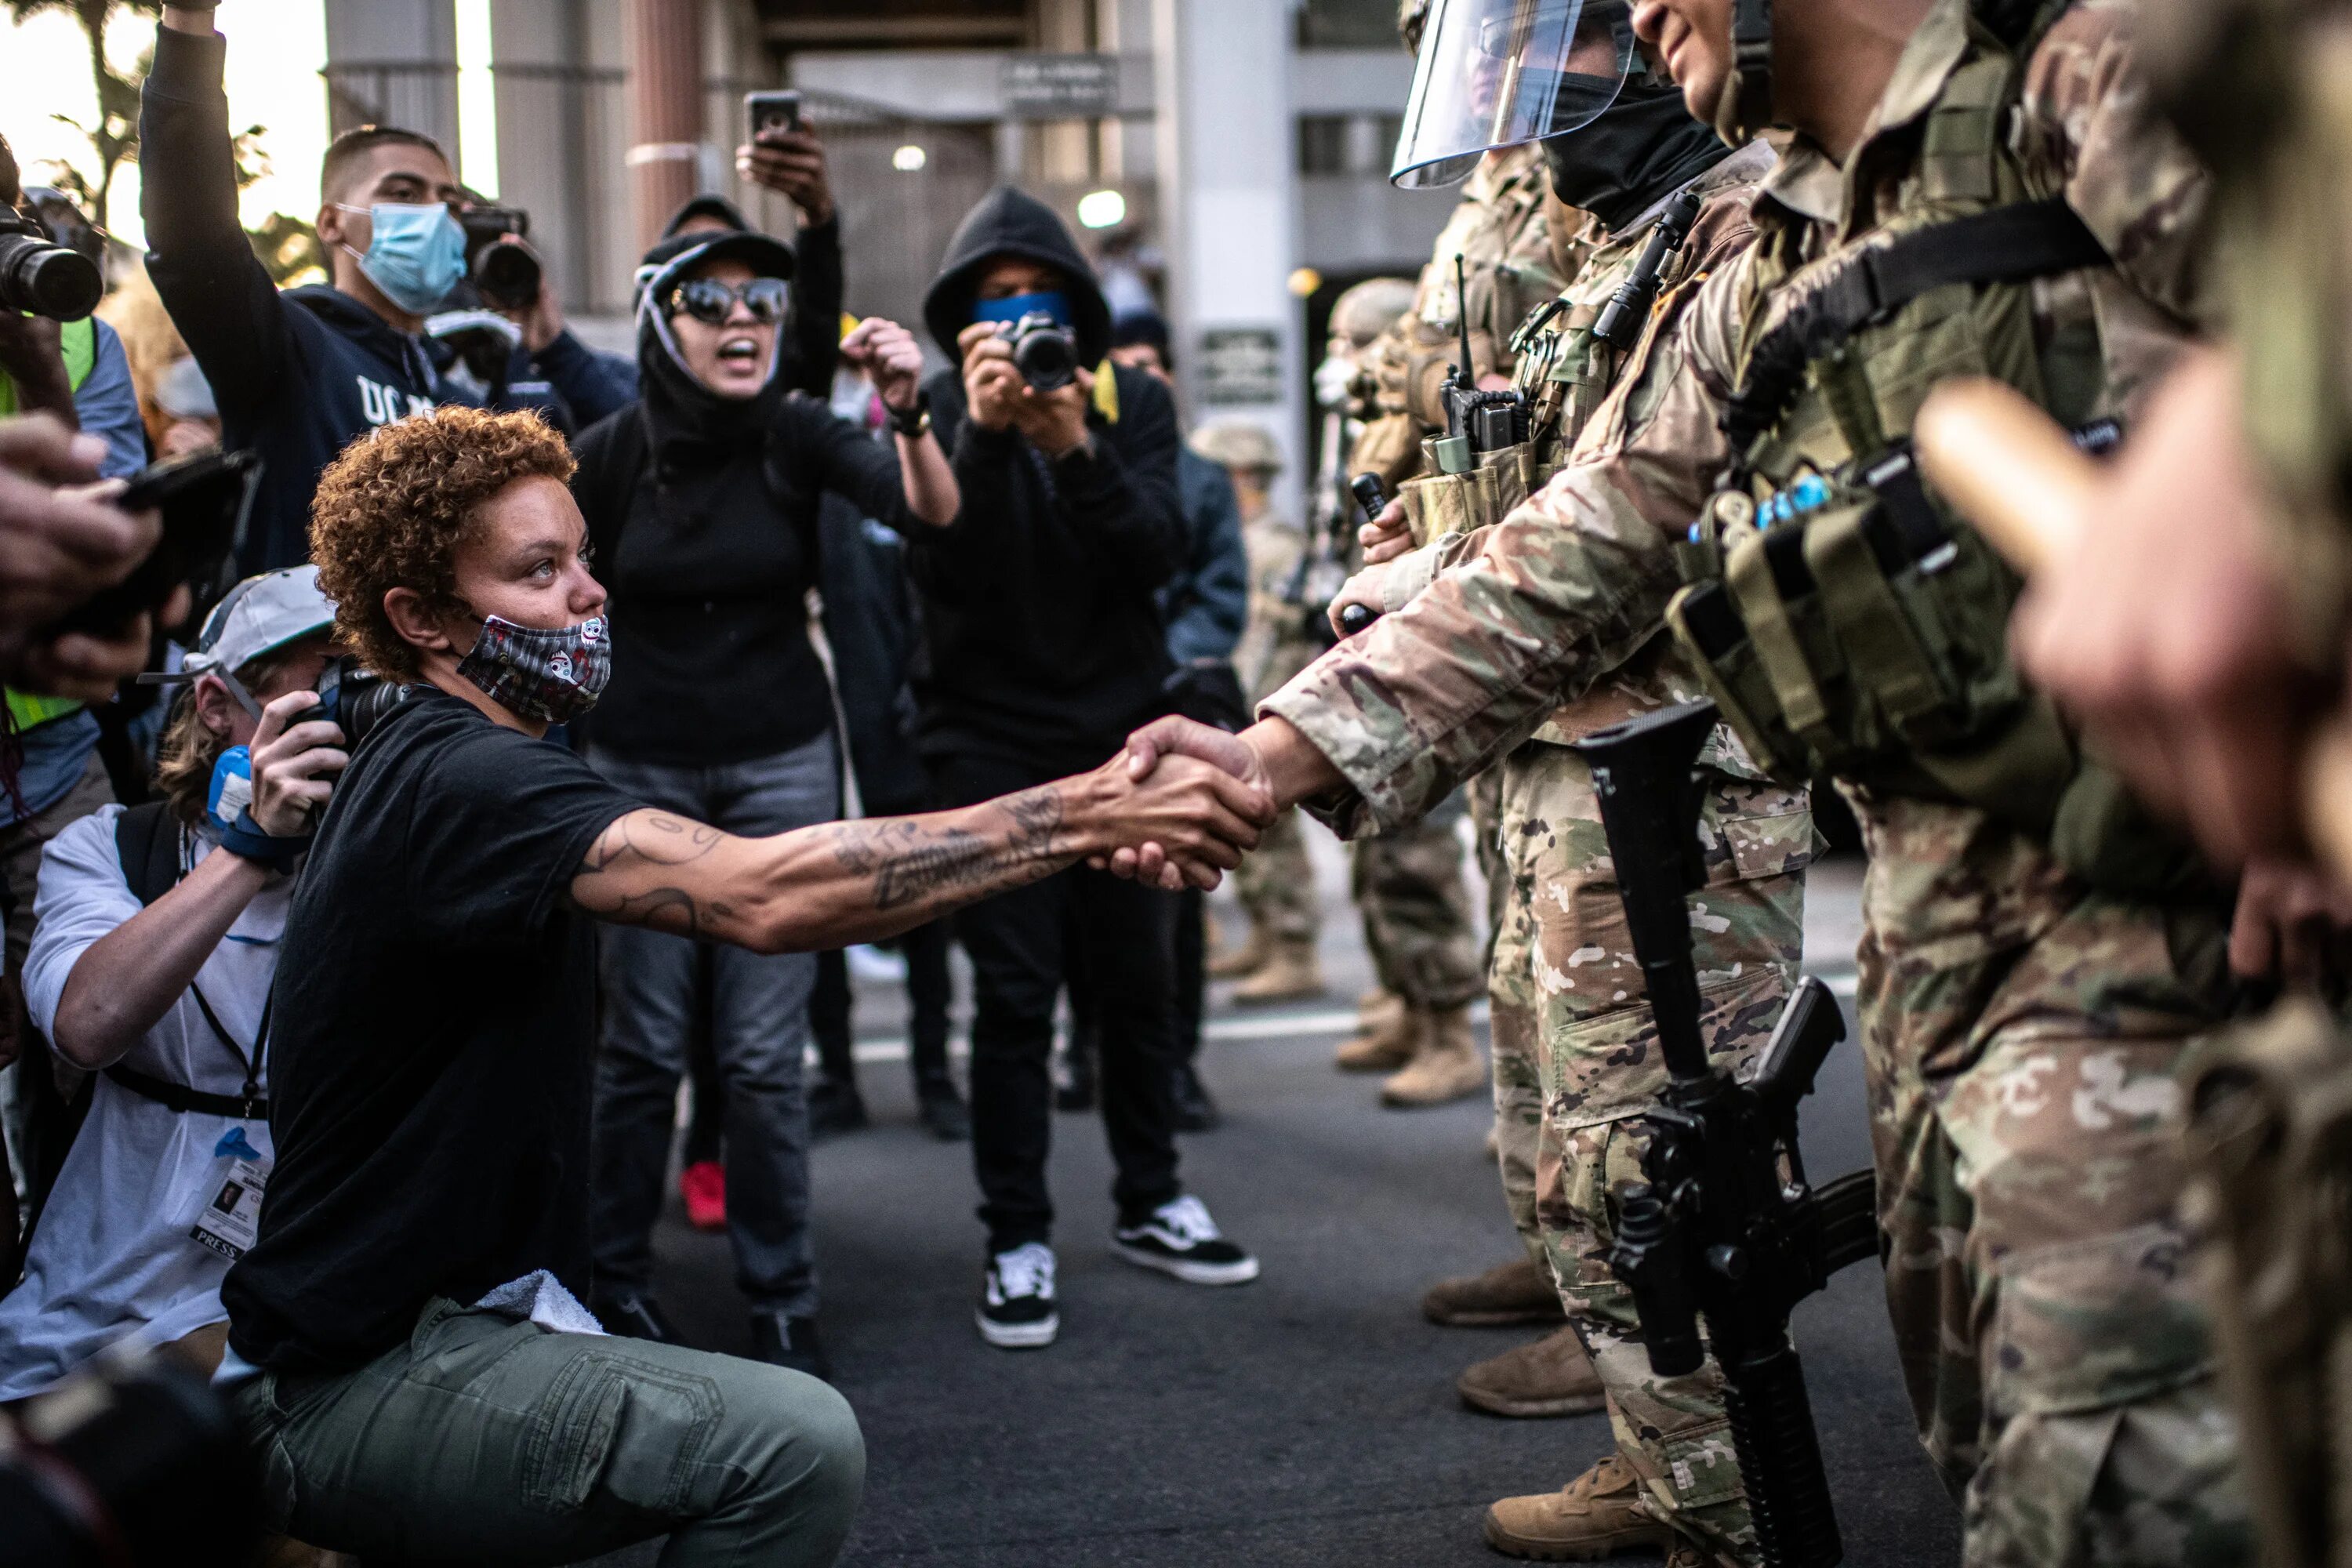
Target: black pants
{"type": "Point", "coordinates": [929, 989]}
{"type": "Point", "coordinates": [1023, 946]}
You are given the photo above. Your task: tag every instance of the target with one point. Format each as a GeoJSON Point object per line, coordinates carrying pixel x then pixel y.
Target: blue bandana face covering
{"type": "Point", "coordinates": [416, 253]}
{"type": "Point", "coordinates": [1051, 302]}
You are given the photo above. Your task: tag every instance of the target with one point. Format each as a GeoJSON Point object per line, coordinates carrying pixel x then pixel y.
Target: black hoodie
{"type": "Point", "coordinates": [1045, 646]}
{"type": "Point", "coordinates": [298, 374]}
{"type": "Point", "coordinates": [704, 512]}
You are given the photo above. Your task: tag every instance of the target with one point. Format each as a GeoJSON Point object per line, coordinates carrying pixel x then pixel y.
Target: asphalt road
{"type": "Point", "coordinates": [1306, 1419]}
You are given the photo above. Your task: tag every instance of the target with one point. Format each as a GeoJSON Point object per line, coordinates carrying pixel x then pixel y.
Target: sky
{"type": "Point", "coordinates": [273, 81]}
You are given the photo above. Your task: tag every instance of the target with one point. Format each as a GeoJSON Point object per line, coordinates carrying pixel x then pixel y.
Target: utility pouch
{"type": "Point", "coordinates": [1706, 625]}
{"type": "Point", "coordinates": [1440, 504]}
{"type": "Point", "coordinates": [1773, 588]}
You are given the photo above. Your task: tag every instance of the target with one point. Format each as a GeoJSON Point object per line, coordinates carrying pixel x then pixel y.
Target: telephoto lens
{"type": "Point", "coordinates": [1044, 351]}
{"type": "Point", "coordinates": [354, 698]}
{"type": "Point", "coordinates": [41, 277]}
{"type": "Point", "coordinates": [507, 274]}
{"type": "Point", "coordinates": [132, 1462]}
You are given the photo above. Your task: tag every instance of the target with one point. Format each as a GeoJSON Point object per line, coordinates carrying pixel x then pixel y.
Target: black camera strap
{"type": "Point", "coordinates": [148, 841]}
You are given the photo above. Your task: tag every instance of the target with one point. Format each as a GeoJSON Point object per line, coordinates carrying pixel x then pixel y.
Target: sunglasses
{"type": "Point", "coordinates": [708, 299]}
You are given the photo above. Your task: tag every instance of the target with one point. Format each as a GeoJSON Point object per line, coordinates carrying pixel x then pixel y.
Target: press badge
{"type": "Point", "coordinates": [231, 1197]}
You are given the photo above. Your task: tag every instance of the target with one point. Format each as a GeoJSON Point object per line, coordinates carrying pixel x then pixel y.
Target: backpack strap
{"type": "Point", "coordinates": [2013, 243]}
{"type": "Point", "coordinates": [147, 842]}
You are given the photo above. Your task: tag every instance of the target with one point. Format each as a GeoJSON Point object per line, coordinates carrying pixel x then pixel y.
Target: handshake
{"type": "Point", "coordinates": [1183, 802]}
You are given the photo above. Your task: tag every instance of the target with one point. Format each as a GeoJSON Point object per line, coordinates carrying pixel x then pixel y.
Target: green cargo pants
{"type": "Point", "coordinates": [486, 1440]}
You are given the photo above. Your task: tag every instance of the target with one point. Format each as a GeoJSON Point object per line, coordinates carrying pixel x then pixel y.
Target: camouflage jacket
{"type": "Point", "coordinates": [1274, 646]}
{"type": "Point", "coordinates": [1508, 231]}
{"type": "Point", "coordinates": [1568, 373]}
{"type": "Point", "coordinates": [1539, 608]}
{"type": "Point", "coordinates": [2258, 85]}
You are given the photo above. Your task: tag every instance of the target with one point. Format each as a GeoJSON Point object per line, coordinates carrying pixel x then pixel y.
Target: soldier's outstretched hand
{"type": "Point", "coordinates": [2167, 627]}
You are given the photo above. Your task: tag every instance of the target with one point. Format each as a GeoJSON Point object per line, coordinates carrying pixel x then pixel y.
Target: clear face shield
{"type": "Point", "coordinates": [1496, 73]}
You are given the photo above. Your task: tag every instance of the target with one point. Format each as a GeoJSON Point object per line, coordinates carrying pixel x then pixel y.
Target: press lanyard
{"type": "Point", "coordinates": [251, 1064]}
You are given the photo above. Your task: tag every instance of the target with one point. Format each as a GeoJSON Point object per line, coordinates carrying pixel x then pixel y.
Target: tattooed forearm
{"type": "Point", "coordinates": [611, 883]}
{"type": "Point", "coordinates": [912, 862]}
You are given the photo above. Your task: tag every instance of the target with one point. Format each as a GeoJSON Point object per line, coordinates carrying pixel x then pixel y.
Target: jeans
{"type": "Point", "coordinates": [1024, 945]}
{"type": "Point", "coordinates": [485, 1440]}
{"type": "Point", "coordinates": [654, 986]}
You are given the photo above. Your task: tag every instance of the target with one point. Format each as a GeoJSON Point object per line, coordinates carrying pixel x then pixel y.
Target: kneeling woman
{"type": "Point", "coordinates": [701, 502]}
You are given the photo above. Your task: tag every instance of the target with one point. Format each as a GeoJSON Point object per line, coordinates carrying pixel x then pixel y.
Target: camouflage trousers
{"type": "Point", "coordinates": [1417, 912]}
{"type": "Point", "coordinates": [2026, 1128]}
{"type": "Point", "coordinates": [1275, 884]}
{"type": "Point", "coordinates": [1577, 1063]}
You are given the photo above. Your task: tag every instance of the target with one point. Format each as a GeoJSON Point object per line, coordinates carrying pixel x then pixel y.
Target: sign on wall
{"type": "Point", "coordinates": [1240, 365]}
{"type": "Point", "coordinates": [1060, 87]}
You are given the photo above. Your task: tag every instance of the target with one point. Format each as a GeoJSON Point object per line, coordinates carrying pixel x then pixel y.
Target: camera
{"type": "Point", "coordinates": [354, 698]}
{"type": "Point", "coordinates": [506, 272]}
{"type": "Point", "coordinates": [134, 1461]}
{"type": "Point", "coordinates": [42, 277]}
{"type": "Point", "coordinates": [1045, 351]}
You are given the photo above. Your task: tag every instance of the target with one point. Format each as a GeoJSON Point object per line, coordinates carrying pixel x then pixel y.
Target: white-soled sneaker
{"type": "Point", "coordinates": [1179, 1238]}
{"type": "Point", "coordinates": [1016, 1299]}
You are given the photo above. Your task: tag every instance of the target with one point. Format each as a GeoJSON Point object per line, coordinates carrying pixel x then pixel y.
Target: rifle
{"type": "Point", "coordinates": [1726, 1227]}
{"type": "Point", "coordinates": [1322, 567]}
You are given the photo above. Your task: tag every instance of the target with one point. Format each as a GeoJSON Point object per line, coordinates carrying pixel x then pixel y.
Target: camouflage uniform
{"type": "Point", "coordinates": [1571, 1063]}
{"type": "Point", "coordinates": [2019, 1027]}
{"type": "Point", "coordinates": [1408, 879]}
{"type": "Point", "coordinates": [1275, 883]}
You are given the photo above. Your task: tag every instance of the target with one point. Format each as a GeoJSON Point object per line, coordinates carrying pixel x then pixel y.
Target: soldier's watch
{"type": "Point", "coordinates": [912, 423]}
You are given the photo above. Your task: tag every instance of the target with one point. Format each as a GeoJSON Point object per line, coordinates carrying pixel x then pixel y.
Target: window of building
{"type": "Point", "coordinates": [1323, 144]}
{"type": "Point", "coordinates": [1347, 24]}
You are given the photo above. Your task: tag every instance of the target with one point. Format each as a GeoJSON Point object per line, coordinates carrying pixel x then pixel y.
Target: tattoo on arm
{"type": "Point", "coordinates": [911, 863]}
{"type": "Point", "coordinates": [621, 857]}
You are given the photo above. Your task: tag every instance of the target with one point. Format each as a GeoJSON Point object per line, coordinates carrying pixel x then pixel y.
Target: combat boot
{"type": "Point", "coordinates": [1551, 1376]}
{"type": "Point", "coordinates": [1505, 1296]}
{"type": "Point", "coordinates": [1597, 1515]}
{"type": "Point", "coordinates": [1385, 1032]}
{"type": "Point", "coordinates": [1291, 974]}
{"type": "Point", "coordinates": [1246, 959]}
{"type": "Point", "coordinates": [1445, 1068]}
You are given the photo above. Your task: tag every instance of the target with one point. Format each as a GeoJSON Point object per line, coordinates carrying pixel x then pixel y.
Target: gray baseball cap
{"type": "Point", "coordinates": [261, 615]}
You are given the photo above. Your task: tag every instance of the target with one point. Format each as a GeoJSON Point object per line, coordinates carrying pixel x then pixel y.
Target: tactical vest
{"type": "Point", "coordinates": [79, 342]}
{"type": "Point", "coordinates": [1846, 622]}
{"type": "Point", "coordinates": [1564, 371]}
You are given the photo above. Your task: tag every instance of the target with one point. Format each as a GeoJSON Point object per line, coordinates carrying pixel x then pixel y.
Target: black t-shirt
{"type": "Point", "coordinates": [433, 1050]}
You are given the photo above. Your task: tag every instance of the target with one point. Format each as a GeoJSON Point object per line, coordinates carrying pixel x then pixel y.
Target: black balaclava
{"type": "Point", "coordinates": [1643, 149]}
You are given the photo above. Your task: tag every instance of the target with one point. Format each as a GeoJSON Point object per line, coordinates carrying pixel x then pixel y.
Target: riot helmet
{"type": "Point", "coordinates": [1496, 73]}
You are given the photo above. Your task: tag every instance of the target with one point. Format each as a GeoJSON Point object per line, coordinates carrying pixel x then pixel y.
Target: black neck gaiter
{"type": "Point", "coordinates": [1643, 149]}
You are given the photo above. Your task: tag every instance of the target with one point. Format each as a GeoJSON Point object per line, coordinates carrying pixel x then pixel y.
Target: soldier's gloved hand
{"type": "Point", "coordinates": [1387, 536]}
{"type": "Point", "coordinates": [2167, 629]}
{"type": "Point", "coordinates": [2292, 924]}
{"type": "Point", "coordinates": [1365, 589]}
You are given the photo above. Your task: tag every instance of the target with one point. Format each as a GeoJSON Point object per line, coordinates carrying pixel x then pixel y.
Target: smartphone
{"type": "Point", "coordinates": [772, 113]}
{"type": "Point", "coordinates": [205, 500]}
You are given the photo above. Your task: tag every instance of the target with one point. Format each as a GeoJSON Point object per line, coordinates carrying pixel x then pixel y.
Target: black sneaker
{"type": "Point", "coordinates": [1016, 1299]}
{"type": "Point", "coordinates": [786, 1342]}
{"type": "Point", "coordinates": [1195, 1110]}
{"type": "Point", "coordinates": [1179, 1238]}
{"type": "Point", "coordinates": [943, 1112]}
{"type": "Point", "coordinates": [633, 1317]}
{"type": "Point", "coordinates": [834, 1108]}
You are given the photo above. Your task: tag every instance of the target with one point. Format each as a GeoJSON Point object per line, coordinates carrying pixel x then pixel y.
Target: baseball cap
{"type": "Point", "coordinates": [260, 616]}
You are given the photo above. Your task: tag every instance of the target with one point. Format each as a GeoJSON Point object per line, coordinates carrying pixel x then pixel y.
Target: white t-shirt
{"type": "Point", "coordinates": [112, 1255]}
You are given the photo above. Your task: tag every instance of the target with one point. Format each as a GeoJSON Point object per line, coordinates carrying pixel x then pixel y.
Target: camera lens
{"type": "Point", "coordinates": [1046, 357]}
{"type": "Point", "coordinates": [507, 275]}
{"type": "Point", "coordinates": [46, 280]}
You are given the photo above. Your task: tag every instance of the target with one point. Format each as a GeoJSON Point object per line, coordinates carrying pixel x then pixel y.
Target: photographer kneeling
{"type": "Point", "coordinates": [150, 967]}
{"type": "Point", "coordinates": [702, 500]}
{"type": "Point", "coordinates": [407, 1349]}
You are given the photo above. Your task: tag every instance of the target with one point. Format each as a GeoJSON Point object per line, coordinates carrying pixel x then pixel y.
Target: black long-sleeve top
{"type": "Point", "coordinates": [1046, 645]}
{"type": "Point", "coordinates": [709, 544]}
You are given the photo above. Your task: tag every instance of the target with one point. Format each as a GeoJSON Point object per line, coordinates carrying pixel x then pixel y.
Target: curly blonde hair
{"type": "Point", "coordinates": [392, 510]}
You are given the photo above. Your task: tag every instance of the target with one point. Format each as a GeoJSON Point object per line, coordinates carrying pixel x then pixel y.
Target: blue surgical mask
{"type": "Point", "coordinates": [1051, 302]}
{"type": "Point", "coordinates": [415, 254]}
